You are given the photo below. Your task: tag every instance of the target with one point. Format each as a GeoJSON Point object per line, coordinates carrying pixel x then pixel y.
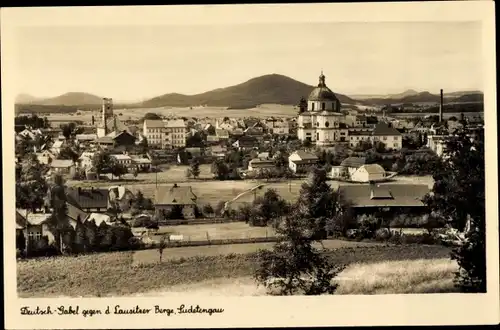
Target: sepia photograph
{"type": "Point", "coordinates": [260, 159]}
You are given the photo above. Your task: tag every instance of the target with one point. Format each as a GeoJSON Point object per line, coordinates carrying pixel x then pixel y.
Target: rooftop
{"type": "Point", "coordinates": [174, 195]}
{"type": "Point", "coordinates": [385, 195]}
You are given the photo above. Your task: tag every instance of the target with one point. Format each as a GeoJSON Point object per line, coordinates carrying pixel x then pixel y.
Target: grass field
{"type": "Point", "coordinates": [112, 274]}
{"type": "Point", "coordinates": [263, 111]}
{"type": "Point", "coordinates": [232, 230]}
{"type": "Point", "coordinates": [392, 277]}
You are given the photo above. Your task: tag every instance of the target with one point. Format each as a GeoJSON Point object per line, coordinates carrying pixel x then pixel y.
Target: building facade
{"type": "Point", "coordinates": [322, 122]}
{"type": "Point", "coordinates": [165, 134]}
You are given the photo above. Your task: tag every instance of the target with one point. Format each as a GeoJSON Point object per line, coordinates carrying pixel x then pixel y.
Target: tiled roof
{"type": "Point", "coordinates": [61, 163]}
{"type": "Point", "coordinates": [154, 123]}
{"type": "Point", "coordinates": [57, 144]}
{"type": "Point", "coordinates": [121, 157]}
{"type": "Point", "coordinates": [86, 137]}
{"type": "Point", "coordinates": [395, 195]}
{"type": "Point", "coordinates": [74, 212]}
{"type": "Point", "coordinates": [105, 139]}
{"type": "Point", "coordinates": [221, 132]}
{"type": "Point", "coordinates": [34, 219]}
{"type": "Point", "coordinates": [174, 195]}
{"type": "Point", "coordinates": [384, 129]}
{"type": "Point", "coordinates": [175, 123]}
{"type": "Point", "coordinates": [374, 169]}
{"type": "Point", "coordinates": [114, 124]}
{"type": "Point", "coordinates": [306, 155]}
{"type": "Point", "coordinates": [88, 198]}
{"type": "Point", "coordinates": [353, 162]}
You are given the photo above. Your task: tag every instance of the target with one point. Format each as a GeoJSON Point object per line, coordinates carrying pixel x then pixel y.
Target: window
{"type": "Point", "coordinates": [327, 124]}
{"type": "Point", "coordinates": [317, 124]}
{"type": "Point", "coordinates": [323, 106]}
{"type": "Point", "coordinates": [385, 138]}
{"type": "Point", "coordinates": [395, 138]}
{"type": "Point", "coordinates": [395, 145]}
{"type": "Point", "coordinates": [312, 106]}
{"type": "Point", "coordinates": [317, 136]}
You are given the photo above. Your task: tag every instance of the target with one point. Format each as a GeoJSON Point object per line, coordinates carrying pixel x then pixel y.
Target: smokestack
{"type": "Point", "coordinates": [441, 107]}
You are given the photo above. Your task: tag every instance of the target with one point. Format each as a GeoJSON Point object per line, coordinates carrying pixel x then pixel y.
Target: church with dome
{"type": "Point", "coordinates": [320, 118]}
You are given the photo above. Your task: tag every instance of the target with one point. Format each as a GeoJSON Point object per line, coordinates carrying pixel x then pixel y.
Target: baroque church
{"type": "Point", "coordinates": [320, 118]}
{"type": "Point", "coordinates": [110, 129]}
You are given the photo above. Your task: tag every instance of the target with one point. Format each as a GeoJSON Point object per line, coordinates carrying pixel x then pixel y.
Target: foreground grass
{"type": "Point", "coordinates": [112, 274]}
{"type": "Point", "coordinates": [393, 277]}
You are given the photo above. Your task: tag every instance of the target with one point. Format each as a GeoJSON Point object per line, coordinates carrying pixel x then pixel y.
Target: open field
{"type": "Point", "coordinates": [112, 274]}
{"type": "Point", "coordinates": [215, 191]}
{"type": "Point", "coordinates": [392, 277]}
{"type": "Point", "coordinates": [151, 256]}
{"type": "Point", "coordinates": [232, 230]}
{"type": "Point", "coordinates": [263, 111]}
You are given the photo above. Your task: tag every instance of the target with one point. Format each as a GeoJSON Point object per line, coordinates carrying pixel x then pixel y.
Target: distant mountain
{"type": "Point", "coordinates": [406, 93]}
{"type": "Point", "coordinates": [27, 99]}
{"type": "Point", "coordinates": [427, 97]}
{"type": "Point", "coordinates": [272, 88]}
{"type": "Point", "coordinates": [72, 99]}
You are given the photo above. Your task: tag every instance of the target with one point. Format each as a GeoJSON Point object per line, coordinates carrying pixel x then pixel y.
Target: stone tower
{"type": "Point", "coordinates": [107, 113]}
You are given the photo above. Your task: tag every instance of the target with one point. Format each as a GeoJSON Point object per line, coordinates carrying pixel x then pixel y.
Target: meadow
{"type": "Point", "coordinates": [114, 274]}
{"type": "Point", "coordinates": [262, 111]}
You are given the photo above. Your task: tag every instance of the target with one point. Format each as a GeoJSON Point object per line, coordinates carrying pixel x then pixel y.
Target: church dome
{"type": "Point", "coordinates": [321, 92]}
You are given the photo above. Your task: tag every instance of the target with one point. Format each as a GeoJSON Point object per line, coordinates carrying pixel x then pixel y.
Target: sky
{"type": "Point", "coordinates": [138, 62]}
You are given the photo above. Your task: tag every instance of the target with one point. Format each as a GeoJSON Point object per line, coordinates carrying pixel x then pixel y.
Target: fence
{"type": "Point", "coordinates": [200, 221]}
{"type": "Point", "coordinates": [173, 244]}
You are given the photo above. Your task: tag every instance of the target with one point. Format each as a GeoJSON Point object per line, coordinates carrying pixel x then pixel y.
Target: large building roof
{"type": "Point", "coordinates": [384, 129]}
{"type": "Point", "coordinates": [387, 195]}
{"type": "Point", "coordinates": [88, 198]}
{"type": "Point", "coordinates": [174, 195]}
{"type": "Point", "coordinates": [353, 162]}
{"type": "Point", "coordinates": [322, 92]}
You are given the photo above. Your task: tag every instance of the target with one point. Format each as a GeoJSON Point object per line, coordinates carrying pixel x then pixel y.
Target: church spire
{"type": "Point", "coordinates": [322, 80]}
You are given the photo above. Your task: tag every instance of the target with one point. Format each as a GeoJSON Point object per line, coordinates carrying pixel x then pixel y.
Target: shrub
{"type": "Point", "coordinates": [382, 234]}
{"type": "Point", "coordinates": [420, 239]}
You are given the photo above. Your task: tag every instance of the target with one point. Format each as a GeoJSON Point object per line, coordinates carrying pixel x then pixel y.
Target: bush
{"type": "Point", "coordinates": [382, 234]}
{"type": "Point", "coordinates": [425, 238]}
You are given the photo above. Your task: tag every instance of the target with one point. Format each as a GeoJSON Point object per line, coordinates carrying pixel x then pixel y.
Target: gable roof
{"type": "Point", "coordinates": [105, 139]}
{"type": "Point", "coordinates": [305, 155]}
{"type": "Point", "coordinates": [353, 162]}
{"type": "Point", "coordinates": [384, 129]}
{"type": "Point", "coordinates": [175, 123]}
{"type": "Point", "coordinates": [61, 163]}
{"type": "Point", "coordinates": [116, 125]}
{"type": "Point", "coordinates": [88, 198]}
{"type": "Point", "coordinates": [75, 212]}
{"type": "Point", "coordinates": [378, 195]}
{"type": "Point", "coordinates": [373, 169]}
{"type": "Point", "coordinates": [154, 123]}
{"type": "Point", "coordinates": [174, 195]}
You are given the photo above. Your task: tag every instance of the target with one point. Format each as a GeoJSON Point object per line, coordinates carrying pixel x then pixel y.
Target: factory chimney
{"type": "Point", "coordinates": [441, 105]}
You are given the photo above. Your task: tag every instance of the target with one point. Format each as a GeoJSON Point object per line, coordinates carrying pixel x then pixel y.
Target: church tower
{"type": "Point", "coordinates": [107, 113]}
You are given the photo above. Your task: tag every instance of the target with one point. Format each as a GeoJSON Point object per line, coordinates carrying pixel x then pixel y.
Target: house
{"type": "Point", "coordinates": [63, 166]}
{"type": "Point", "coordinates": [237, 132]}
{"type": "Point", "coordinates": [281, 127]}
{"type": "Point", "coordinates": [33, 226]}
{"type": "Point", "coordinates": [370, 197]}
{"type": "Point", "coordinates": [45, 157]}
{"type": "Point", "coordinates": [254, 131]}
{"type": "Point", "coordinates": [85, 138]}
{"type": "Point", "coordinates": [368, 173]}
{"type": "Point", "coordinates": [75, 214]}
{"type": "Point", "coordinates": [437, 143]}
{"type": "Point", "coordinates": [246, 142]}
{"type": "Point", "coordinates": [89, 200]}
{"type": "Point", "coordinates": [99, 218]}
{"type": "Point", "coordinates": [175, 198]}
{"type": "Point", "coordinates": [222, 134]}
{"type": "Point", "coordinates": [301, 161]}
{"type": "Point", "coordinates": [347, 167]}
{"type": "Point", "coordinates": [56, 147]}
{"type": "Point", "coordinates": [217, 151]}
{"type": "Point", "coordinates": [259, 164]}
{"type": "Point", "coordinates": [105, 142]}
{"type": "Point", "coordinates": [122, 196]}
{"type": "Point", "coordinates": [85, 159]}
{"type": "Point", "coordinates": [142, 164]}
{"type": "Point", "coordinates": [124, 160]}
{"type": "Point", "coordinates": [356, 136]}
{"type": "Point", "coordinates": [162, 134]}
{"type": "Point", "coordinates": [123, 138]}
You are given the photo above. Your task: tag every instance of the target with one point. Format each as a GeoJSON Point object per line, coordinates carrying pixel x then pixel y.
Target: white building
{"type": "Point", "coordinates": [165, 134]}
{"type": "Point", "coordinates": [367, 173]}
{"type": "Point", "coordinates": [322, 122]}
{"type": "Point", "coordinates": [301, 161]}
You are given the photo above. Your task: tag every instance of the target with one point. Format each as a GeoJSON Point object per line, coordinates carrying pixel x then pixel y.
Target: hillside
{"type": "Point", "coordinates": [73, 98]}
{"type": "Point", "coordinates": [426, 97]}
{"type": "Point", "coordinates": [273, 88]}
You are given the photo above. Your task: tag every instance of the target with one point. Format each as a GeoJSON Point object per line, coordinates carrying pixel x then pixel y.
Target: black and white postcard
{"type": "Point", "coordinates": [250, 165]}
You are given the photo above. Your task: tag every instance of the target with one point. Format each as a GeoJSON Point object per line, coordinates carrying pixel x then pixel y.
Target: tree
{"type": "Point", "coordinates": [68, 153]}
{"type": "Point", "coordinates": [68, 130]}
{"type": "Point", "coordinates": [152, 116]}
{"type": "Point", "coordinates": [91, 235]}
{"type": "Point", "coordinates": [268, 207]}
{"type": "Point", "coordinates": [118, 169]}
{"type": "Point", "coordinates": [294, 266]}
{"type": "Point", "coordinates": [20, 241]}
{"type": "Point", "coordinates": [31, 188]}
{"type": "Point", "coordinates": [102, 162]}
{"type": "Point", "coordinates": [208, 210]}
{"type": "Point", "coordinates": [458, 196]}
{"type": "Point", "coordinates": [195, 168]}
{"type": "Point", "coordinates": [316, 203]}
{"type": "Point", "coordinates": [58, 222]}
{"type": "Point", "coordinates": [81, 243]}
{"type": "Point", "coordinates": [220, 169]}
{"type": "Point", "coordinates": [162, 245]}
